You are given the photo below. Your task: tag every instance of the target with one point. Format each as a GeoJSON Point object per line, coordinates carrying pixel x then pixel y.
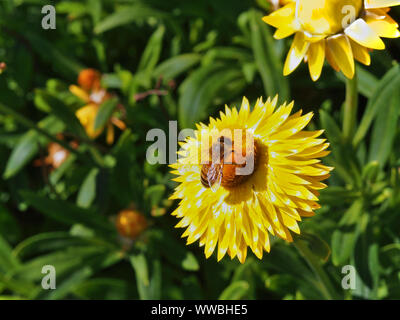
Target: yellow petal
{"type": "Point", "coordinates": [296, 53]}
{"type": "Point", "coordinates": [282, 16]}
{"type": "Point", "coordinates": [284, 32]}
{"type": "Point", "coordinates": [80, 93]}
{"type": "Point", "coordinates": [360, 53]}
{"type": "Point", "coordinates": [363, 34]}
{"type": "Point", "coordinates": [342, 54]}
{"type": "Point", "coordinates": [330, 59]}
{"type": "Point", "coordinates": [370, 4]}
{"type": "Point", "coordinates": [316, 58]}
{"type": "Point", "coordinates": [385, 27]}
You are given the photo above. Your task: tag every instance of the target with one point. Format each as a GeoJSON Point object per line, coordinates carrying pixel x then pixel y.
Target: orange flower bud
{"type": "Point", "coordinates": [130, 223]}
{"type": "Point", "coordinates": [89, 79]}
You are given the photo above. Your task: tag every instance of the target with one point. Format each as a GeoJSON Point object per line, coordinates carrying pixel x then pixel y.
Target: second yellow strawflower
{"type": "Point", "coordinates": [339, 31]}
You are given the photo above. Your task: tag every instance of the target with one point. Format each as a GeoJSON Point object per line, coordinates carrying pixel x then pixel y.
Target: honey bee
{"type": "Point", "coordinates": [223, 172]}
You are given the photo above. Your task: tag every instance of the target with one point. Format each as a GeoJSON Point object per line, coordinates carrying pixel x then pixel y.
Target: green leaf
{"type": "Point", "coordinates": [105, 112]}
{"type": "Point", "coordinates": [28, 146]}
{"type": "Point", "coordinates": [268, 62]}
{"type": "Point", "coordinates": [104, 289]}
{"type": "Point", "coordinates": [7, 260]}
{"type": "Point", "coordinates": [333, 193]}
{"type": "Point", "coordinates": [384, 130]}
{"type": "Point", "coordinates": [370, 172]}
{"type": "Point", "coordinates": [69, 284]}
{"type": "Point", "coordinates": [332, 130]}
{"type": "Point", "coordinates": [152, 52]}
{"type": "Point", "coordinates": [155, 194]}
{"type": "Point", "coordinates": [200, 88]}
{"type": "Point", "coordinates": [60, 110]}
{"type": "Point", "coordinates": [174, 251]}
{"type": "Point", "coordinates": [139, 263]}
{"type": "Point", "coordinates": [227, 53]}
{"type": "Point", "coordinates": [352, 215]}
{"type": "Point", "coordinates": [25, 150]}
{"type": "Point", "coordinates": [73, 9]}
{"type": "Point", "coordinates": [345, 237]}
{"type": "Point", "coordinates": [44, 48]}
{"type": "Point", "coordinates": [66, 261]}
{"type": "Point", "coordinates": [45, 242]}
{"type": "Point", "coordinates": [148, 279]}
{"type": "Point", "coordinates": [235, 291]}
{"type": "Point", "coordinates": [317, 245]}
{"type": "Point", "coordinates": [68, 213]}
{"type": "Point", "coordinates": [344, 161]}
{"type": "Point", "coordinates": [126, 16]}
{"type": "Point", "coordinates": [175, 66]}
{"type": "Point", "coordinates": [8, 225]}
{"type": "Point", "coordinates": [383, 93]}
{"type": "Point", "coordinates": [87, 192]}
{"type": "Point", "coordinates": [190, 262]}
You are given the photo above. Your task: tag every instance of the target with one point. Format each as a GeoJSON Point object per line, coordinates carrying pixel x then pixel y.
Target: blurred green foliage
{"type": "Point", "coordinates": [203, 54]}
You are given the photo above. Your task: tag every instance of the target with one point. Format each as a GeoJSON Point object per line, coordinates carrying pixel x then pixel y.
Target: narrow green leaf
{"type": "Point", "coordinates": [344, 239]}
{"type": "Point", "coordinates": [87, 192]}
{"type": "Point", "coordinates": [69, 284]}
{"type": "Point", "coordinates": [174, 251]}
{"type": "Point", "coordinates": [384, 130]}
{"type": "Point", "coordinates": [66, 261]}
{"type": "Point", "coordinates": [9, 227]}
{"type": "Point", "coordinates": [68, 213]}
{"type": "Point", "coordinates": [190, 262]}
{"type": "Point", "coordinates": [154, 194]}
{"type": "Point", "coordinates": [105, 112]}
{"type": "Point", "coordinates": [332, 130]}
{"type": "Point", "coordinates": [60, 110]}
{"type": "Point", "coordinates": [200, 88]}
{"type": "Point", "coordinates": [152, 52]}
{"type": "Point", "coordinates": [139, 263]}
{"type": "Point", "coordinates": [235, 291]}
{"type": "Point", "coordinates": [383, 93]}
{"type": "Point", "coordinates": [126, 16]}
{"type": "Point", "coordinates": [317, 245]}
{"type": "Point", "coordinates": [105, 289]}
{"type": "Point", "coordinates": [268, 62]}
{"type": "Point", "coordinates": [148, 279]}
{"type": "Point", "coordinates": [44, 242]}
{"type": "Point", "coordinates": [175, 66]}
{"type": "Point", "coordinates": [63, 63]}
{"type": "Point", "coordinates": [28, 146]}
{"type": "Point", "coordinates": [7, 259]}
{"type": "Point", "coordinates": [25, 150]}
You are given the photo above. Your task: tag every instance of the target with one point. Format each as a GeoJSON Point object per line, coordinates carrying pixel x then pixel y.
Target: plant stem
{"type": "Point", "coordinates": [350, 108]}
{"type": "Point", "coordinates": [324, 283]}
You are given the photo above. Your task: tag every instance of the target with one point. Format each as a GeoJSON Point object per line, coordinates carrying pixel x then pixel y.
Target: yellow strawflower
{"type": "Point", "coordinates": [338, 30]}
{"type": "Point", "coordinates": [219, 206]}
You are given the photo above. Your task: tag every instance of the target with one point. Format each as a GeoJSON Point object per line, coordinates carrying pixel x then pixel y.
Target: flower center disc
{"type": "Point", "coordinates": [327, 17]}
{"type": "Point", "coordinates": [230, 164]}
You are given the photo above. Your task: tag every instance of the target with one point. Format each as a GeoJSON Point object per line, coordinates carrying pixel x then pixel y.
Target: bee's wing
{"type": "Point", "coordinates": [214, 176]}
